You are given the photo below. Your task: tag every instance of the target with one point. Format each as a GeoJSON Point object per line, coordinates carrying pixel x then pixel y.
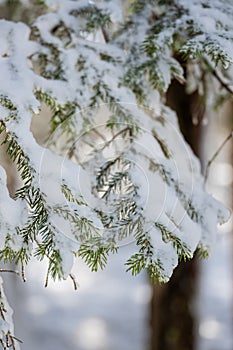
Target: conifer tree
{"type": "Point", "coordinates": [115, 167]}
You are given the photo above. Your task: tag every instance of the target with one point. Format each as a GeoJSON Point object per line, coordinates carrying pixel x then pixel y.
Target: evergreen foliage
{"type": "Point", "coordinates": [114, 168]}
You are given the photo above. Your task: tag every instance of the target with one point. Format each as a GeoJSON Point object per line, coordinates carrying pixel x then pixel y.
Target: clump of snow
{"type": "Point", "coordinates": [163, 252]}
{"type": "Point", "coordinates": [12, 214]}
{"type": "Point", "coordinates": [6, 322]}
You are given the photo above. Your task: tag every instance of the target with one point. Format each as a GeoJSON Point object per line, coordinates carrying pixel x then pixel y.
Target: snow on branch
{"type": "Point", "coordinates": [115, 166]}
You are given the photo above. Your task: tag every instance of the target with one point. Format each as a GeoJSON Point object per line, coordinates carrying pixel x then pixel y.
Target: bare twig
{"type": "Point", "coordinates": [99, 134]}
{"type": "Point", "coordinates": [216, 154]}
{"type": "Point", "coordinates": [17, 339]}
{"type": "Point", "coordinates": [23, 273]}
{"type": "Point", "coordinates": [218, 77]}
{"type": "Point", "coordinates": [105, 35]}
{"type": "Point", "coordinates": [75, 283]}
{"type": "Point", "coordinates": [47, 279]}
{"type": "Point", "coordinates": [223, 83]}
{"type": "Point", "coordinates": [11, 271]}
{"type": "Point", "coordinates": [115, 136]}
{"type": "Point", "coordinates": [12, 339]}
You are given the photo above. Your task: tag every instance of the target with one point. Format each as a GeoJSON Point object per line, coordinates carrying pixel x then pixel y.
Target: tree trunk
{"type": "Point", "coordinates": [172, 318]}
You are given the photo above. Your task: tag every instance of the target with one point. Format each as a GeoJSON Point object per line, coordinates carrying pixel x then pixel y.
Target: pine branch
{"type": "Point", "coordinates": [131, 64]}
{"type": "Point", "coordinates": [95, 252]}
